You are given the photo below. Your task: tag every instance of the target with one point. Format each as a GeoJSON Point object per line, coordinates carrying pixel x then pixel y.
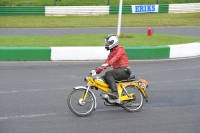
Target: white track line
{"type": "Point", "coordinates": [27, 116]}
{"type": "Point", "coordinates": [47, 114]}
{"type": "Point", "coordinates": [185, 80]}
{"type": "Point", "coordinates": [183, 68]}
{"type": "Point", "coordinates": [37, 90]}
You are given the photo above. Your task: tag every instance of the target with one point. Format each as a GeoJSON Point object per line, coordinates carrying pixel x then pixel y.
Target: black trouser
{"type": "Point", "coordinates": [117, 74]}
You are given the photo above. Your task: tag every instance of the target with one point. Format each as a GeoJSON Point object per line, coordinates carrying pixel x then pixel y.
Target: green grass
{"type": "Point", "coordinates": [136, 20]}
{"type": "Point", "coordinates": [128, 20]}
{"type": "Point", "coordinates": [88, 2]}
{"type": "Point", "coordinates": [94, 40]}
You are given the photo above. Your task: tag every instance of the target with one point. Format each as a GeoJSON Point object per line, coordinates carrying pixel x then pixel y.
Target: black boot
{"type": "Point", "coordinates": [114, 93]}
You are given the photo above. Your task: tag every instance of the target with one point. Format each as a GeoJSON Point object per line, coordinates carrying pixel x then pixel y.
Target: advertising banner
{"type": "Point", "coordinates": [145, 8]}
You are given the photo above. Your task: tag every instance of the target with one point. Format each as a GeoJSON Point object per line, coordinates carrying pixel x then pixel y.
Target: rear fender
{"type": "Point", "coordinates": [143, 93]}
{"type": "Point", "coordinates": [83, 87]}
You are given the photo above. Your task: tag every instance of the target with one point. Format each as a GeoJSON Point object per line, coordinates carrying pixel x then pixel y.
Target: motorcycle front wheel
{"type": "Point", "coordinates": [77, 105]}
{"type": "Point", "coordinates": [137, 102]}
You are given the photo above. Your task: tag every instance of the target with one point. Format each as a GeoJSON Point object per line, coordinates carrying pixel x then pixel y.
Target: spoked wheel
{"type": "Point", "coordinates": [137, 102]}
{"type": "Point", "coordinates": [77, 105]}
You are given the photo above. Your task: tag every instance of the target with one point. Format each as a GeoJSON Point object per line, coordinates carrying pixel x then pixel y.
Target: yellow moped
{"type": "Point", "coordinates": [131, 95]}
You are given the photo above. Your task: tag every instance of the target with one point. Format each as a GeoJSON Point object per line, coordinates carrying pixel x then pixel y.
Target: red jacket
{"type": "Point", "coordinates": [117, 58]}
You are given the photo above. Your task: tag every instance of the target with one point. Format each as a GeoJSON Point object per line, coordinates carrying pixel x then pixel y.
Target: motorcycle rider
{"type": "Point", "coordinates": [118, 59]}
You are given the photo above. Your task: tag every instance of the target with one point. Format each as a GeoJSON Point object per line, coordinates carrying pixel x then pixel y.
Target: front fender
{"type": "Point", "coordinates": [83, 87]}
{"type": "Point", "coordinates": [80, 87]}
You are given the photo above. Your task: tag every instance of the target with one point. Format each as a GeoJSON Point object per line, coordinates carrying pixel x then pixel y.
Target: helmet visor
{"type": "Point", "coordinates": [108, 43]}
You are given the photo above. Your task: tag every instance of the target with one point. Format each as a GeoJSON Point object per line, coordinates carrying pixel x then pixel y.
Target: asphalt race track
{"type": "Point", "coordinates": [33, 97]}
{"type": "Point", "coordinates": [184, 31]}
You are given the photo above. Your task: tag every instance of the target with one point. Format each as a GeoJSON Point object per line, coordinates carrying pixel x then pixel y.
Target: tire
{"type": "Point", "coordinates": [78, 107]}
{"type": "Point", "coordinates": [135, 104]}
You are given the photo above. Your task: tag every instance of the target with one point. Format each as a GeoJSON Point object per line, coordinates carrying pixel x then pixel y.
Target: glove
{"type": "Point", "coordinates": [98, 70]}
{"type": "Point", "coordinates": [93, 72]}
{"type": "Point", "coordinates": [101, 68]}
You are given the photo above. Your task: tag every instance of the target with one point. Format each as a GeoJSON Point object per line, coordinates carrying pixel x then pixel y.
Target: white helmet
{"type": "Point", "coordinates": [111, 41]}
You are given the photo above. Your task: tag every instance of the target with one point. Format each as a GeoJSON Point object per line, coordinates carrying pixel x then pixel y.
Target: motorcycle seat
{"type": "Point", "coordinates": [130, 78]}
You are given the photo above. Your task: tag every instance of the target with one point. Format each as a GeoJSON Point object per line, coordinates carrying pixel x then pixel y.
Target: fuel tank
{"type": "Point", "coordinates": [101, 82]}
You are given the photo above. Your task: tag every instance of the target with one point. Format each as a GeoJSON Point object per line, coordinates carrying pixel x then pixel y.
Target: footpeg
{"type": "Point", "coordinates": [104, 96]}
{"type": "Point", "coordinates": [110, 100]}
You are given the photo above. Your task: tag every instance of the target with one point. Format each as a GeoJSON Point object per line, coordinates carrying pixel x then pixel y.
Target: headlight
{"type": "Point", "coordinates": [86, 79]}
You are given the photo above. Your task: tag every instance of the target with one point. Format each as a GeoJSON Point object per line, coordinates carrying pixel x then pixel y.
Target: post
{"type": "Point", "coordinates": [108, 2]}
{"type": "Point", "coordinates": [149, 32]}
{"type": "Point", "coordinates": [54, 2]}
{"type": "Point", "coordinates": [119, 17]}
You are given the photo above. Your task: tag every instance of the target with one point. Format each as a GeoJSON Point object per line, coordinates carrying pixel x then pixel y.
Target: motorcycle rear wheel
{"type": "Point", "coordinates": [135, 104]}
{"type": "Point", "coordinates": [77, 105]}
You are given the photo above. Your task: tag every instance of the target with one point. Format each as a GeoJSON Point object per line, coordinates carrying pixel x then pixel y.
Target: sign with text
{"type": "Point", "coordinates": [145, 8]}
